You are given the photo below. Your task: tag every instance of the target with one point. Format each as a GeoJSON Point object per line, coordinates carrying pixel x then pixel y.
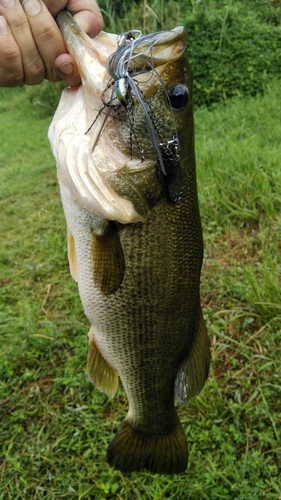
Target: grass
{"type": "Point", "coordinates": [55, 426]}
{"type": "Point", "coordinates": [151, 15]}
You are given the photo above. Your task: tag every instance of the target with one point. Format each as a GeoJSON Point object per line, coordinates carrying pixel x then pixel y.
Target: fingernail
{"type": "Point", "coordinates": [31, 7]}
{"type": "Point", "coordinates": [4, 28]}
{"type": "Point", "coordinates": [66, 69]}
{"type": "Point", "coordinates": [7, 3]}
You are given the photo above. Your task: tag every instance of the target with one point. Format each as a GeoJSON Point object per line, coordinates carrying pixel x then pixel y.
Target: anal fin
{"type": "Point", "coordinates": [108, 260]}
{"type": "Point", "coordinates": [103, 376]}
{"type": "Point", "coordinates": [193, 371]}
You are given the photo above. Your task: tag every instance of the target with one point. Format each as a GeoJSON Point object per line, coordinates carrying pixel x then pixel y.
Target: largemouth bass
{"type": "Point", "coordinates": [124, 146]}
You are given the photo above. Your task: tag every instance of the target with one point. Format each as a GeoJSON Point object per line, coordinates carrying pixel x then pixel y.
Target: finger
{"type": "Point", "coordinates": [86, 13]}
{"type": "Point", "coordinates": [67, 69]}
{"type": "Point", "coordinates": [47, 35]}
{"type": "Point", "coordinates": [91, 23]}
{"type": "Point", "coordinates": [11, 70]}
{"type": "Point", "coordinates": [33, 68]}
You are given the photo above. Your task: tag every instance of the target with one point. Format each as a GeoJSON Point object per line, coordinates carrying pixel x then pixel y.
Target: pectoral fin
{"type": "Point", "coordinates": [193, 371]}
{"type": "Point", "coordinates": [103, 376]}
{"type": "Point", "coordinates": [107, 260]}
{"type": "Point", "coordinates": [72, 255]}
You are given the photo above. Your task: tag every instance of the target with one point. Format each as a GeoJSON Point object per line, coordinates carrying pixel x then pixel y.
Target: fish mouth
{"type": "Point", "coordinates": [100, 170]}
{"type": "Point", "coordinates": [81, 46]}
{"type": "Point", "coordinates": [93, 58]}
{"type": "Point", "coordinates": [91, 52]}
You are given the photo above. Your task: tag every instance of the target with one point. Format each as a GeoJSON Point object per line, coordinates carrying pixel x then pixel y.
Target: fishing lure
{"type": "Point", "coordinates": [132, 57]}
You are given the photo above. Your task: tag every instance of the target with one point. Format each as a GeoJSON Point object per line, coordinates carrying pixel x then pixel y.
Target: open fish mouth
{"type": "Point", "coordinates": [112, 125]}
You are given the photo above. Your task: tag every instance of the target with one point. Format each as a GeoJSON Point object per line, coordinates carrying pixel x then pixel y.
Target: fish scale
{"type": "Point", "coordinates": [135, 254]}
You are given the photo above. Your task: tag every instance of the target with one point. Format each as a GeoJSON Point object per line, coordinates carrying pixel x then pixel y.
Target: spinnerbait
{"type": "Point", "coordinates": [132, 57]}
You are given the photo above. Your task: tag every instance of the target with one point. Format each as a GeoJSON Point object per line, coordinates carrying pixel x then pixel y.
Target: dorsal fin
{"type": "Point", "coordinates": [194, 369]}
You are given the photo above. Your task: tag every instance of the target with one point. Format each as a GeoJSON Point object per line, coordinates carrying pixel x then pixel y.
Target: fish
{"type": "Point", "coordinates": [123, 141]}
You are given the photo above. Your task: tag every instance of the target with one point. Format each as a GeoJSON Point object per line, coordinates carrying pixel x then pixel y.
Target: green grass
{"type": "Point", "coordinates": [55, 426]}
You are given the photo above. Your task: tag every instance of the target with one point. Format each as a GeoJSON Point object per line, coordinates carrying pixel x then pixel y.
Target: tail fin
{"type": "Point", "coordinates": [133, 450]}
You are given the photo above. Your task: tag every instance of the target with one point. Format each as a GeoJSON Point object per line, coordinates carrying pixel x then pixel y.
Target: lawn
{"type": "Point", "coordinates": [55, 426]}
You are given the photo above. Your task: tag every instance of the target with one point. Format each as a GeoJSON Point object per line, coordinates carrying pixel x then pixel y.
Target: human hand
{"type": "Point", "coordinates": [31, 44]}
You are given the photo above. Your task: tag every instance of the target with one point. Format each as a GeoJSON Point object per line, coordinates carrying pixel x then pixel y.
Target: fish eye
{"type": "Point", "coordinates": [179, 97]}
